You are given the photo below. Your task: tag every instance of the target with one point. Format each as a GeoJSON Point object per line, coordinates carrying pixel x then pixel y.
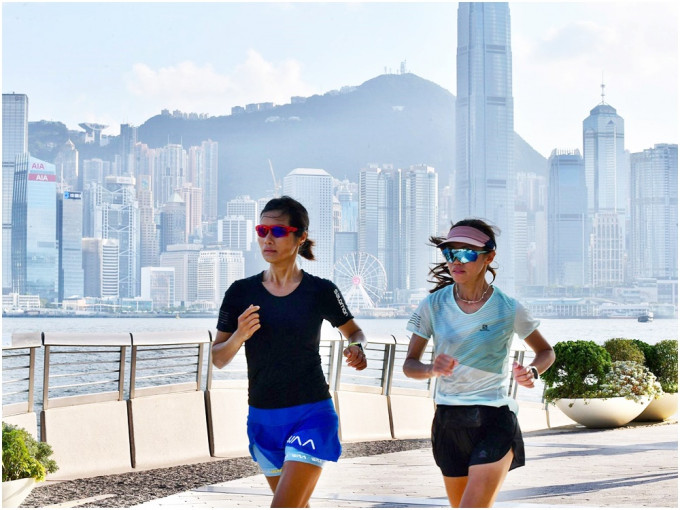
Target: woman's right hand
{"type": "Point", "coordinates": [248, 322]}
{"type": "Point", "coordinates": [443, 365]}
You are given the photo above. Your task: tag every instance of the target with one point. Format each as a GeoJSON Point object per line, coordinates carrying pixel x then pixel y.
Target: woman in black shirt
{"type": "Point", "coordinates": [277, 314]}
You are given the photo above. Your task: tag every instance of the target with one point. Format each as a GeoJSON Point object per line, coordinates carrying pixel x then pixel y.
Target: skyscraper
{"type": "Point", "coordinates": [380, 220]}
{"type": "Point", "coordinates": [217, 270]}
{"type": "Point", "coordinates": [483, 178]}
{"type": "Point", "coordinates": [654, 212]}
{"type": "Point", "coordinates": [34, 235]}
{"type": "Point", "coordinates": [117, 217]}
{"type": "Point", "coordinates": [184, 258]}
{"type": "Point", "coordinates": [607, 176]}
{"type": "Point", "coordinates": [567, 214]}
{"type": "Point", "coordinates": [209, 179]}
{"type": "Point", "coordinates": [69, 235]}
{"type": "Point", "coordinates": [14, 143]}
{"type": "Point", "coordinates": [313, 187]}
{"type": "Point", "coordinates": [100, 264]}
{"type": "Point", "coordinates": [607, 173]}
{"type": "Point", "coordinates": [173, 221]}
{"type": "Point", "coordinates": [420, 211]}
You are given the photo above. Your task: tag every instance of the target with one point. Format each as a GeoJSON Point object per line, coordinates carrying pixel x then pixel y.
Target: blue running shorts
{"type": "Point", "coordinates": [305, 433]}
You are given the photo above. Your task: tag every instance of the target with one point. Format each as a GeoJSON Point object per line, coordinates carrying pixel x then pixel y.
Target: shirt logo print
{"type": "Point", "coordinates": [484, 327]}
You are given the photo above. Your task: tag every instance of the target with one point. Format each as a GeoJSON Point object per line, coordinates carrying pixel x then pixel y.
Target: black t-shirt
{"type": "Point", "coordinates": [284, 365]}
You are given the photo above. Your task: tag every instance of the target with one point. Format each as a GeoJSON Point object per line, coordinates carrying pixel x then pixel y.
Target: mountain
{"type": "Point", "coordinates": [398, 119]}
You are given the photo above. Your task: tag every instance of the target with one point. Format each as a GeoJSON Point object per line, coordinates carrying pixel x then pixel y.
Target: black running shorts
{"type": "Point", "coordinates": [464, 436]}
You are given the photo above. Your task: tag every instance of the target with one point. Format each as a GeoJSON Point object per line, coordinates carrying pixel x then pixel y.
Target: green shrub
{"type": "Point", "coordinates": [624, 349]}
{"type": "Point", "coordinates": [646, 350]}
{"type": "Point", "coordinates": [579, 369]}
{"type": "Point", "coordinates": [23, 456]}
{"type": "Point", "coordinates": [664, 364]}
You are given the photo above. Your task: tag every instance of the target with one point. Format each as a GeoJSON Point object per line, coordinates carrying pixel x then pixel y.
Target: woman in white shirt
{"type": "Point", "coordinates": [476, 438]}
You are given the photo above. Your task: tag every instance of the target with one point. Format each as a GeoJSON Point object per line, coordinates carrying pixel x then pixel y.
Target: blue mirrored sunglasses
{"type": "Point", "coordinates": [464, 255]}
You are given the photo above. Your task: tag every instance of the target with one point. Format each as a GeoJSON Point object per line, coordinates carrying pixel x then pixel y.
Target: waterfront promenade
{"type": "Point", "coordinates": [570, 467]}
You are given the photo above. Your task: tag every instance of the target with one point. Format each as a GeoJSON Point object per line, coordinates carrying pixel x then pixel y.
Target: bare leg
{"type": "Point", "coordinates": [294, 487]}
{"type": "Point", "coordinates": [484, 483]}
{"type": "Point", "coordinates": [455, 487]}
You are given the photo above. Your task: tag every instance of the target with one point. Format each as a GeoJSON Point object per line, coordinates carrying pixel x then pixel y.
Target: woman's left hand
{"type": "Point", "coordinates": [355, 357]}
{"type": "Point", "coordinates": [523, 375]}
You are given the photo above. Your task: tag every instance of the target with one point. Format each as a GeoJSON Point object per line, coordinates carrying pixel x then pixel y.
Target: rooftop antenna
{"type": "Point", "coordinates": [602, 87]}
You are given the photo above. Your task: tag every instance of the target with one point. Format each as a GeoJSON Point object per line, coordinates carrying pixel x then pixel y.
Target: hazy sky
{"type": "Point", "coordinates": [123, 62]}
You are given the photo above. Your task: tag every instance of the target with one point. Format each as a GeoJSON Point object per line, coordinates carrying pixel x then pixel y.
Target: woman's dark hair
{"type": "Point", "coordinates": [440, 272]}
{"type": "Point", "coordinates": [297, 217]}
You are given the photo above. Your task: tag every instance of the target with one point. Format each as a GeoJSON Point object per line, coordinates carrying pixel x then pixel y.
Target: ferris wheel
{"type": "Point", "coordinates": [362, 280]}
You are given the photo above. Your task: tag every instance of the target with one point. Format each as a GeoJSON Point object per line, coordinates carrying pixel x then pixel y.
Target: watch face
{"type": "Point", "coordinates": [534, 370]}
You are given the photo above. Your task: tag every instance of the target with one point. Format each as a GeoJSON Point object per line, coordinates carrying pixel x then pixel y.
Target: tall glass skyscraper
{"type": "Point", "coordinates": [34, 229]}
{"type": "Point", "coordinates": [483, 177]}
{"type": "Point", "coordinates": [419, 214]}
{"type": "Point", "coordinates": [607, 173]}
{"type": "Point", "coordinates": [380, 220]}
{"type": "Point", "coordinates": [654, 214]}
{"type": "Point", "coordinates": [69, 235]}
{"type": "Point", "coordinates": [313, 187]}
{"type": "Point", "coordinates": [14, 143]}
{"type": "Point", "coordinates": [567, 215]}
{"type": "Point", "coordinates": [117, 217]}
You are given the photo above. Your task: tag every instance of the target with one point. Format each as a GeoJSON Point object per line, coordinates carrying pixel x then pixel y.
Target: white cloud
{"type": "Point", "coordinates": [191, 87]}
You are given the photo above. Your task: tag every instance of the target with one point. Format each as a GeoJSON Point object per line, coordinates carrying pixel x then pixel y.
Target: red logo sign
{"type": "Point", "coordinates": [42, 177]}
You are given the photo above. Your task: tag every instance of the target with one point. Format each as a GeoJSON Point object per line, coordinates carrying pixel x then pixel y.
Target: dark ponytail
{"type": "Point", "coordinates": [297, 217]}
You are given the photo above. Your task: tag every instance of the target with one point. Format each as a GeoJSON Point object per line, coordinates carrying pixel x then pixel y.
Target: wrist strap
{"type": "Point", "coordinates": [356, 343]}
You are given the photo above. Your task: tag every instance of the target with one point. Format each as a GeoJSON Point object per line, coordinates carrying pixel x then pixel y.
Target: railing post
{"type": "Point", "coordinates": [121, 374]}
{"type": "Point", "coordinates": [199, 366]}
{"type": "Point", "coordinates": [133, 370]}
{"type": "Point", "coordinates": [209, 375]}
{"type": "Point", "coordinates": [46, 377]}
{"type": "Point", "coordinates": [31, 378]}
{"type": "Point", "coordinates": [388, 368]}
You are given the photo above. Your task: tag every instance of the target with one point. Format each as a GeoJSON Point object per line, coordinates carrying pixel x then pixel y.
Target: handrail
{"type": "Point", "coordinates": [190, 344]}
{"type": "Point", "coordinates": [20, 342]}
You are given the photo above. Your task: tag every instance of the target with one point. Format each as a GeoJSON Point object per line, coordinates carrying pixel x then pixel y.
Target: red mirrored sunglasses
{"type": "Point", "coordinates": [276, 230]}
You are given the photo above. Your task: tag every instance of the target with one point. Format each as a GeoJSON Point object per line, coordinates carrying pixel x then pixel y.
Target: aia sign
{"type": "Point", "coordinates": [42, 177]}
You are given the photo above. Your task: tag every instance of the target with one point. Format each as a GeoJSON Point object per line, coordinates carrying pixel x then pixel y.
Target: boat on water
{"type": "Point", "coordinates": [646, 317]}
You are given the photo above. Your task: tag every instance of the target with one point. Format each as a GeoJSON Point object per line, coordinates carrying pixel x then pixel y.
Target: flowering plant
{"type": "Point", "coordinates": [629, 379]}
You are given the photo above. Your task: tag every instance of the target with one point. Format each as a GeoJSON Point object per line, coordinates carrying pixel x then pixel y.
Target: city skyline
{"type": "Point", "coordinates": [562, 52]}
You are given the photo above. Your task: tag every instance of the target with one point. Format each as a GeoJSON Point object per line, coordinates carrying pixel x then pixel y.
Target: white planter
{"type": "Point", "coordinates": [661, 408]}
{"type": "Point", "coordinates": [602, 412]}
{"type": "Point", "coordinates": [15, 491]}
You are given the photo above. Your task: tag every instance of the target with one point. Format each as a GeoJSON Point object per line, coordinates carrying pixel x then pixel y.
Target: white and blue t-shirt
{"type": "Point", "coordinates": [480, 341]}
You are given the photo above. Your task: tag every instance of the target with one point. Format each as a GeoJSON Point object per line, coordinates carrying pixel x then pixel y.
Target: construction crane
{"type": "Point", "coordinates": [277, 184]}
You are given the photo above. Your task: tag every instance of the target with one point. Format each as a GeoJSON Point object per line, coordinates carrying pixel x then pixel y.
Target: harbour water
{"type": "Point", "coordinates": [554, 330]}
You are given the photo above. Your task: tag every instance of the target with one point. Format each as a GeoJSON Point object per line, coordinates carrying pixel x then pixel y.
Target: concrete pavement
{"type": "Point", "coordinates": [632, 466]}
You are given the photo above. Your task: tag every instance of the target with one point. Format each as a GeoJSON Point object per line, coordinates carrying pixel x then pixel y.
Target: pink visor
{"type": "Point", "coordinates": [468, 235]}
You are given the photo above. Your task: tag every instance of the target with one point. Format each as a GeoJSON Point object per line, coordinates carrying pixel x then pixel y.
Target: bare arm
{"type": "Point", "coordinates": [355, 355]}
{"type": "Point", "coordinates": [545, 356]}
{"type": "Point", "coordinates": [416, 369]}
{"type": "Point", "coordinates": [226, 345]}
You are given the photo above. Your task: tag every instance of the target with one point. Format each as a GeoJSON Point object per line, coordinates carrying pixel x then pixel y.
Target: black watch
{"type": "Point", "coordinates": [358, 344]}
{"type": "Point", "coordinates": [534, 371]}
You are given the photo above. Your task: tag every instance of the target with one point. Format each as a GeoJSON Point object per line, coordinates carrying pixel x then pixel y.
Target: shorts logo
{"type": "Point", "coordinates": [296, 439]}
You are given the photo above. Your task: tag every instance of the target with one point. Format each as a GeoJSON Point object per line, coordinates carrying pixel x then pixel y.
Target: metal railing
{"type": "Point", "coordinates": [82, 368]}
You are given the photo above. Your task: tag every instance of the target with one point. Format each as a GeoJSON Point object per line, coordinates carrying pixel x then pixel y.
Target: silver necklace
{"type": "Point", "coordinates": [455, 288]}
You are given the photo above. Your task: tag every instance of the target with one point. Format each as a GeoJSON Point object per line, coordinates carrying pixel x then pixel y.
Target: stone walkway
{"type": "Point", "coordinates": [634, 466]}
